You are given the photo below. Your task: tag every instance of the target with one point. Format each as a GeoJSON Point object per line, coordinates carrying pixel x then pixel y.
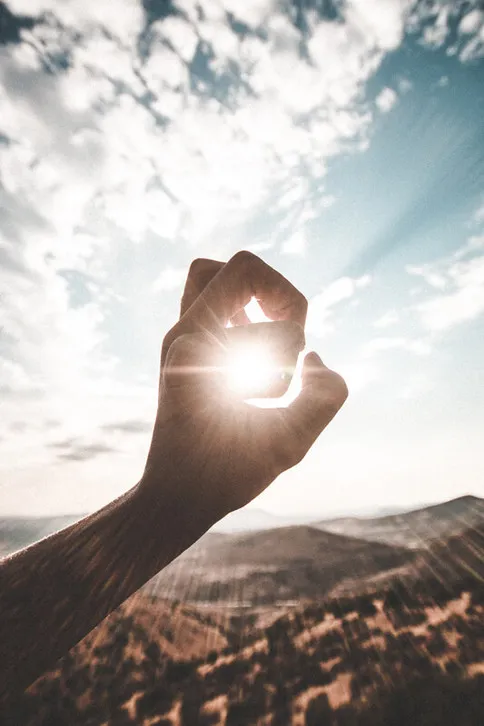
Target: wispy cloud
{"type": "Point", "coordinates": [73, 449]}
{"type": "Point", "coordinates": [464, 300]}
{"type": "Point", "coordinates": [378, 345]}
{"type": "Point", "coordinates": [171, 278]}
{"type": "Point", "coordinates": [128, 427]}
{"type": "Point", "coordinates": [459, 280]}
{"type": "Point", "coordinates": [389, 318]}
{"type": "Point", "coordinates": [439, 21]}
{"type": "Point", "coordinates": [321, 306]}
{"type": "Point", "coordinates": [86, 452]}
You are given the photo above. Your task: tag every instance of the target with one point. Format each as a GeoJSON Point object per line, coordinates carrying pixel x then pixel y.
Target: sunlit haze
{"type": "Point", "coordinates": [343, 142]}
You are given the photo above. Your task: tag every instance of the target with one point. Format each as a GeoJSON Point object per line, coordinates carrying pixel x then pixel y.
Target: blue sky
{"type": "Point", "coordinates": [345, 145]}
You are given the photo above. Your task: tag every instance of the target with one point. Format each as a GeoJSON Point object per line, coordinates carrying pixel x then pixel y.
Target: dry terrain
{"type": "Point", "coordinates": [286, 626]}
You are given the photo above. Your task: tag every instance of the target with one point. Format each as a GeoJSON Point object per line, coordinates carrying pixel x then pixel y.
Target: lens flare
{"type": "Point", "coordinates": [250, 369]}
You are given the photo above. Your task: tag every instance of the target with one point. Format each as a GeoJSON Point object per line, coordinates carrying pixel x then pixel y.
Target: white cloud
{"type": "Point", "coordinates": [383, 22]}
{"type": "Point", "coordinates": [252, 12]}
{"type": "Point", "coordinates": [460, 279]}
{"type": "Point", "coordinates": [438, 18]}
{"type": "Point", "coordinates": [436, 34]}
{"type": "Point", "coordinates": [464, 303]}
{"type": "Point", "coordinates": [170, 279]}
{"type": "Point", "coordinates": [386, 99]}
{"type": "Point", "coordinates": [378, 345]}
{"type": "Point", "coordinates": [387, 319]}
{"type": "Point", "coordinates": [474, 49]}
{"type": "Point", "coordinates": [430, 274]}
{"type": "Point", "coordinates": [180, 35]}
{"type": "Point", "coordinates": [125, 23]}
{"type": "Point", "coordinates": [295, 245]}
{"type": "Point", "coordinates": [258, 247]}
{"type": "Point", "coordinates": [471, 22]}
{"type": "Point", "coordinates": [320, 310]}
{"type": "Point", "coordinates": [479, 214]}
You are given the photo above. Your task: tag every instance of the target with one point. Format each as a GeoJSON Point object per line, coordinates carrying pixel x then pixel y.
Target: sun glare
{"type": "Point", "coordinates": [255, 312]}
{"type": "Point", "coordinates": [249, 369]}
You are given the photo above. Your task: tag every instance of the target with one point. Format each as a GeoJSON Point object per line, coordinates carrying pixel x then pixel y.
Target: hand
{"type": "Point", "coordinates": [221, 451]}
{"type": "Point", "coordinates": [211, 453]}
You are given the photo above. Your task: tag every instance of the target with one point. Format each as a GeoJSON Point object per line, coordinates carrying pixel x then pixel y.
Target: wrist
{"type": "Point", "coordinates": [171, 519]}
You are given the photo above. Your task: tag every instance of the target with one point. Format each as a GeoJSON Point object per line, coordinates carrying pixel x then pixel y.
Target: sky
{"type": "Point", "coordinates": [343, 141]}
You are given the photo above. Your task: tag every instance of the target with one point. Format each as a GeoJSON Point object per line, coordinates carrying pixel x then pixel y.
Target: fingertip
{"type": "Point", "coordinates": [201, 272]}
{"type": "Point", "coordinates": [314, 370]}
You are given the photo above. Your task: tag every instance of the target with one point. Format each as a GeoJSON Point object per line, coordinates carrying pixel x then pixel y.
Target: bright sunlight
{"type": "Point", "coordinates": [250, 368]}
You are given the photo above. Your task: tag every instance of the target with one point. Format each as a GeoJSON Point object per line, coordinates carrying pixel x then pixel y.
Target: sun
{"type": "Point", "coordinates": [257, 367]}
{"type": "Point", "coordinates": [250, 369]}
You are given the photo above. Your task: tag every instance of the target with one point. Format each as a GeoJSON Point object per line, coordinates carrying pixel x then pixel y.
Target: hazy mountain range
{"type": "Point", "coordinates": [303, 562]}
{"type": "Point", "coordinates": [405, 528]}
{"type": "Point", "coordinates": [290, 624]}
{"type": "Point", "coordinates": [414, 528]}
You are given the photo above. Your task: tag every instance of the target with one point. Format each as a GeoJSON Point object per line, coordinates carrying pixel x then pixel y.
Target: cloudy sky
{"type": "Point", "coordinates": [342, 140]}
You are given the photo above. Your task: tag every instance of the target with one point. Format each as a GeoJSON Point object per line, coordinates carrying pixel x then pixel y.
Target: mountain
{"type": "Point", "coordinates": [407, 529]}
{"type": "Point", "coordinates": [19, 532]}
{"type": "Point", "coordinates": [275, 566]}
{"type": "Point", "coordinates": [415, 528]}
{"type": "Point", "coordinates": [250, 519]}
{"type": "Point", "coordinates": [455, 559]}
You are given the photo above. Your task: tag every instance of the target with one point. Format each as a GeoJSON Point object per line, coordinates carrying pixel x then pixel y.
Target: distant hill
{"type": "Point", "coordinates": [278, 565]}
{"type": "Point", "coordinates": [19, 532]}
{"type": "Point", "coordinates": [413, 529]}
{"type": "Point", "coordinates": [251, 519]}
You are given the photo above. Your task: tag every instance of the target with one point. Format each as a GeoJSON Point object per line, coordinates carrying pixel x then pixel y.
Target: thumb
{"type": "Point", "coordinates": [322, 394]}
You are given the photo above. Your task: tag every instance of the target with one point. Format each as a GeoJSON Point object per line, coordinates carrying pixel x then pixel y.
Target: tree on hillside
{"type": "Point", "coordinates": [319, 712]}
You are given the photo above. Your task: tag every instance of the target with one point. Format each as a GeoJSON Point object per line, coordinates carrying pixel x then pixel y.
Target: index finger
{"type": "Point", "coordinates": [201, 272]}
{"type": "Point", "coordinates": [245, 276]}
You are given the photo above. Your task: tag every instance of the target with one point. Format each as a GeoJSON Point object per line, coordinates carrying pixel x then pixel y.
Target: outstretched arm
{"type": "Point", "coordinates": [56, 591]}
{"type": "Point", "coordinates": [211, 453]}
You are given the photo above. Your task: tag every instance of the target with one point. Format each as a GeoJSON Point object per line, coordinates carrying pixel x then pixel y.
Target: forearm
{"type": "Point", "coordinates": [55, 592]}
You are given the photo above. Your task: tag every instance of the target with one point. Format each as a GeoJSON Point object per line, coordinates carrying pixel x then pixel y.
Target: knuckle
{"type": "Point", "coordinates": [169, 338]}
{"type": "Point", "coordinates": [198, 264]}
{"type": "Point", "coordinates": [243, 258]}
{"type": "Point", "coordinates": [175, 346]}
{"type": "Point", "coordinates": [189, 344]}
{"type": "Point", "coordinates": [303, 303]}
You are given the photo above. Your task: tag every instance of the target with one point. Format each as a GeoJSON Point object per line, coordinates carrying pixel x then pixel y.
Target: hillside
{"type": "Point", "coordinates": [415, 528]}
{"type": "Point", "coordinates": [366, 661]}
{"type": "Point", "coordinates": [456, 558]}
{"type": "Point", "coordinates": [279, 565]}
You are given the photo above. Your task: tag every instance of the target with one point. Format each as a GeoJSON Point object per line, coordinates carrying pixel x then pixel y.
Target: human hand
{"type": "Point", "coordinates": [217, 451]}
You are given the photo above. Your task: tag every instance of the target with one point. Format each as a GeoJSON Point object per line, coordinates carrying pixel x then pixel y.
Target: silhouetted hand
{"type": "Point", "coordinates": [211, 453]}
{"type": "Point", "coordinates": [216, 450]}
